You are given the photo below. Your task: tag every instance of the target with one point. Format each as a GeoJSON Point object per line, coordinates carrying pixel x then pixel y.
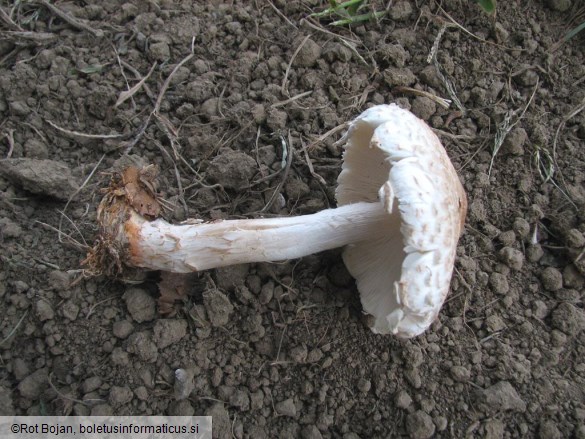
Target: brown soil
{"type": "Point", "coordinates": [281, 350]}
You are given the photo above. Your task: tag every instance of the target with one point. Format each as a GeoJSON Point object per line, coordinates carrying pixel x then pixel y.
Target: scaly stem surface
{"type": "Point", "coordinates": [158, 245]}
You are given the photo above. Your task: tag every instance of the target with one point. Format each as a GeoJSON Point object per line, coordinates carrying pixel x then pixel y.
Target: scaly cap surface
{"type": "Point", "coordinates": [394, 157]}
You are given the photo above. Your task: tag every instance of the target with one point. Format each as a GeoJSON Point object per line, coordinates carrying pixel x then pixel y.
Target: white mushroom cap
{"type": "Point", "coordinates": [394, 157]}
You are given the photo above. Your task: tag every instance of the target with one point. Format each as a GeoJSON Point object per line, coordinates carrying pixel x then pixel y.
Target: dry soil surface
{"type": "Point", "coordinates": [240, 108]}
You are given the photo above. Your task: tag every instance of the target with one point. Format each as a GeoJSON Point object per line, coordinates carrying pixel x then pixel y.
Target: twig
{"type": "Point", "coordinates": [10, 139]}
{"type": "Point", "coordinates": [445, 103]}
{"type": "Point", "coordinates": [27, 36]}
{"type": "Point", "coordinates": [87, 136]}
{"type": "Point", "coordinates": [167, 82]}
{"type": "Point", "coordinates": [157, 104]}
{"type": "Point", "coordinates": [350, 43]}
{"type": "Point", "coordinates": [69, 201]}
{"type": "Point", "coordinates": [69, 398]}
{"type": "Point", "coordinates": [296, 52]}
{"type": "Point", "coordinates": [281, 15]}
{"type": "Point", "coordinates": [137, 75]}
{"type": "Point", "coordinates": [321, 29]}
{"type": "Point", "coordinates": [506, 127]}
{"type": "Point", "coordinates": [11, 333]}
{"type": "Point", "coordinates": [127, 94]}
{"type": "Point", "coordinates": [289, 157]}
{"type": "Point", "coordinates": [310, 165]}
{"type": "Point", "coordinates": [294, 98]}
{"type": "Point", "coordinates": [93, 307]}
{"type": "Point", "coordinates": [70, 19]}
{"type": "Point", "coordinates": [569, 116]}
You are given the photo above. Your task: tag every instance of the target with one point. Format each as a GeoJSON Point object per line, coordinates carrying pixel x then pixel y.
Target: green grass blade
{"type": "Point", "coordinates": [349, 6]}
{"type": "Point", "coordinates": [575, 31]}
{"type": "Point", "coordinates": [358, 18]}
{"type": "Point", "coordinates": [488, 6]}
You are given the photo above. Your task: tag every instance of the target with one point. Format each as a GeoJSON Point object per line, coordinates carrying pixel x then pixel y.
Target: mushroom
{"type": "Point", "coordinates": [401, 212]}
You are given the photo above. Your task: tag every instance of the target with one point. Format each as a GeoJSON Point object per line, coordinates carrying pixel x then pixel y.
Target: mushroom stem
{"type": "Point", "coordinates": [159, 245]}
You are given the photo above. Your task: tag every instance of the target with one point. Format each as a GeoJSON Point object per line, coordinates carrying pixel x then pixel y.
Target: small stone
{"type": "Point", "coordinates": [44, 177]}
{"type": "Point", "coordinates": [501, 397]}
{"type": "Point", "coordinates": [140, 304]}
{"type": "Point", "coordinates": [414, 378]}
{"type": "Point", "coordinates": [512, 258]}
{"type": "Point", "coordinates": [314, 355]}
{"type": "Point", "coordinates": [572, 278]}
{"type": "Point", "coordinates": [557, 338]}
{"type": "Point", "coordinates": [460, 374]}
{"type": "Point", "coordinates": [495, 323]}
{"type": "Point", "coordinates": [402, 399]}
{"type": "Point", "coordinates": [548, 430]}
{"type": "Point", "coordinates": [568, 318]}
{"type": "Point", "coordinates": [419, 425]}
{"type": "Point", "coordinates": [527, 78]}
{"type": "Point", "coordinates": [514, 142]}
{"type": "Point", "coordinates": [44, 310]}
{"type": "Point", "coordinates": [184, 383]}
{"type": "Point", "coordinates": [218, 307]}
{"type": "Point", "coordinates": [499, 283]}
{"type": "Point", "coordinates": [169, 331]}
{"type": "Point", "coordinates": [120, 396]}
{"type": "Point", "coordinates": [276, 119]}
{"type": "Point", "coordinates": [222, 425]}
{"type": "Point", "coordinates": [9, 229]}
{"type": "Point", "coordinates": [286, 408]}
{"type": "Point", "coordinates": [241, 400]}
{"type": "Point", "coordinates": [298, 354]}
{"type": "Point", "coordinates": [296, 189]}
{"type": "Point", "coordinates": [575, 239]}
{"type": "Point", "coordinates": [539, 309]}
{"type": "Point", "coordinates": [364, 385]}
{"type": "Point", "coordinates": [256, 400]}
{"type": "Point", "coordinates": [36, 149]}
{"type": "Point", "coordinates": [521, 227]}
{"type": "Point", "coordinates": [534, 253]}
{"type": "Point", "coordinates": [401, 11]}
{"type": "Point", "coordinates": [119, 357]}
{"type": "Point", "coordinates": [228, 278]}
{"type": "Point", "coordinates": [59, 280]}
{"type": "Point", "coordinates": [160, 51]}
{"type": "Point", "coordinates": [122, 329]}
{"type": "Point", "coordinates": [311, 432]}
{"type": "Point", "coordinates": [34, 385]}
{"type": "Point", "coordinates": [266, 293]}
{"type": "Point", "coordinates": [441, 422]}
{"type": "Point", "coordinates": [394, 53]}
{"type": "Point", "coordinates": [308, 55]}
{"type": "Point", "coordinates": [507, 238]}
{"type": "Point", "coordinates": [20, 369]}
{"type": "Point", "coordinates": [494, 429]}
{"type": "Point", "coordinates": [141, 345]}
{"type": "Point", "coordinates": [91, 384]}
{"type": "Point", "coordinates": [70, 310]}
{"type": "Point", "coordinates": [423, 107]}
{"type": "Point", "coordinates": [232, 169]}
{"type": "Point", "coordinates": [552, 279]}
{"type": "Point", "coordinates": [396, 77]}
